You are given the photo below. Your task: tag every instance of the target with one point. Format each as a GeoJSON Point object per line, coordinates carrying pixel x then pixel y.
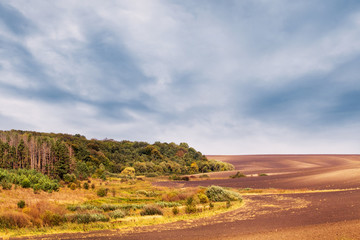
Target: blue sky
{"type": "Point", "coordinates": [228, 77]}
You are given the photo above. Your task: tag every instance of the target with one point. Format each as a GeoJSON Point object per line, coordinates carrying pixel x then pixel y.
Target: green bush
{"type": "Point", "coordinates": [151, 210]}
{"type": "Point", "coordinates": [262, 175]}
{"type": "Point", "coordinates": [53, 219]}
{"type": "Point", "coordinates": [21, 204]}
{"type": "Point", "coordinates": [219, 194]}
{"type": "Point", "coordinates": [69, 178]}
{"type": "Point", "coordinates": [175, 210]}
{"type": "Point", "coordinates": [87, 218]}
{"type": "Point", "coordinates": [6, 185]}
{"type": "Point", "coordinates": [102, 192]}
{"type": "Point", "coordinates": [117, 214]}
{"type": "Point", "coordinates": [25, 183]}
{"type": "Point", "coordinates": [163, 204]}
{"type": "Point", "coordinates": [86, 186]}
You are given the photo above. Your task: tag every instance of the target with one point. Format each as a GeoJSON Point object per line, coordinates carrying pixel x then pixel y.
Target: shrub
{"type": "Point", "coordinates": [52, 219]}
{"type": "Point", "coordinates": [21, 204]}
{"type": "Point", "coordinates": [204, 176]}
{"type": "Point", "coordinates": [190, 205]}
{"type": "Point", "coordinates": [14, 219]}
{"type": "Point", "coordinates": [117, 214]}
{"type": "Point", "coordinates": [168, 204]}
{"type": "Point", "coordinates": [25, 183]}
{"type": "Point", "coordinates": [72, 186]}
{"type": "Point", "coordinates": [203, 198]}
{"type": "Point", "coordinates": [86, 185]}
{"type": "Point", "coordinates": [219, 194]}
{"type": "Point", "coordinates": [175, 210]}
{"type": "Point", "coordinates": [69, 178]}
{"type": "Point", "coordinates": [6, 185]}
{"type": "Point", "coordinates": [102, 192]}
{"type": "Point", "coordinates": [150, 175]}
{"type": "Point", "coordinates": [151, 210]}
{"type": "Point", "coordinates": [93, 186]}
{"type": "Point", "coordinates": [238, 175]}
{"type": "Point", "coordinates": [87, 218]}
{"type": "Point", "coordinates": [262, 175]}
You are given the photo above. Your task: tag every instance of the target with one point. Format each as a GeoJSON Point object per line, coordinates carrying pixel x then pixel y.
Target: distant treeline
{"type": "Point", "coordinates": [58, 154]}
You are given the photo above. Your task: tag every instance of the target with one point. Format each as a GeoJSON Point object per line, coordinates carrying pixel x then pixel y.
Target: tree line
{"type": "Point", "coordinates": [56, 155]}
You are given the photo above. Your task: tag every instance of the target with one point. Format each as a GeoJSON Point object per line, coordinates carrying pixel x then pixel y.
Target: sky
{"type": "Point", "coordinates": [227, 77]}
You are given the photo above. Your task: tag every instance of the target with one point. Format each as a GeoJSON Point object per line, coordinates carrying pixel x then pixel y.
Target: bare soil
{"type": "Point", "coordinates": [331, 214]}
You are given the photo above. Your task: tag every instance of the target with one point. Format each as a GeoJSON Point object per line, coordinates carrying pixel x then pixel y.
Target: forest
{"type": "Point", "coordinates": [58, 155]}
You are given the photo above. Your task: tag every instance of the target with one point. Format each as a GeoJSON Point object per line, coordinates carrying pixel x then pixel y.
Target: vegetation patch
{"type": "Point", "coordinates": [238, 175]}
{"type": "Point", "coordinates": [219, 194]}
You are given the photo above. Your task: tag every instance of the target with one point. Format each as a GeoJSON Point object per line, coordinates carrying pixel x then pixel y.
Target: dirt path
{"type": "Point", "coordinates": [318, 215]}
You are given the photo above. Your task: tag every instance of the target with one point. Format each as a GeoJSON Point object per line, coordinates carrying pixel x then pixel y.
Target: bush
{"type": "Point", "coordinates": [86, 186]}
{"type": "Point", "coordinates": [6, 185]}
{"type": "Point", "coordinates": [203, 198]}
{"type": "Point", "coordinates": [151, 210]}
{"type": "Point", "coordinates": [219, 194]}
{"type": "Point", "coordinates": [168, 204]}
{"type": "Point", "coordinates": [14, 220]}
{"type": "Point", "coordinates": [238, 175]}
{"type": "Point", "coordinates": [87, 218]}
{"type": "Point", "coordinates": [150, 175]}
{"type": "Point", "coordinates": [175, 210]}
{"type": "Point", "coordinates": [262, 175]}
{"type": "Point", "coordinates": [25, 183]}
{"type": "Point", "coordinates": [190, 205]}
{"type": "Point", "coordinates": [69, 178]}
{"type": "Point", "coordinates": [102, 192]}
{"type": "Point", "coordinates": [21, 204]}
{"type": "Point", "coordinates": [93, 186]}
{"type": "Point", "coordinates": [204, 176]}
{"type": "Point", "coordinates": [72, 186]}
{"type": "Point", "coordinates": [52, 219]}
{"type": "Point", "coordinates": [117, 214]}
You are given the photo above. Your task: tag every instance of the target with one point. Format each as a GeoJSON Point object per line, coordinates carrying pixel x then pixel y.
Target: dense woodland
{"type": "Point", "coordinates": [59, 154]}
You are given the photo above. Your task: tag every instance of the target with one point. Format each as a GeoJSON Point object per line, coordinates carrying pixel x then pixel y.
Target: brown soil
{"type": "Point", "coordinates": [316, 215]}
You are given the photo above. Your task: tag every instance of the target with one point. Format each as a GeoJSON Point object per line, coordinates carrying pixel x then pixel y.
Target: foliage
{"type": "Point", "coordinates": [86, 185]}
{"type": "Point", "coordinates": [28, 179]}
{"type": "Point", "coordinates": [175, 210]}
{"type": "Point", "coordinates": [262, 175]}
{"type": "Point", "coordinates": [238, 175]}
{"type": "Point", "coordinates": [65, 156]}
{"type": "Point", "coordinates": [14, 220]}
{"type": "Point", "coordinates": [190, 205]}
{"type": "Point", "coordinates": [203, 198]}
{"type": "Point", "coordinates": [151, 210]}
{"type": "Point", "coordinates": [219, 194]}
{"type": "Point", "coordinates": [102, 192]}
{"type": "Point", "coordinates": [21, 204]}
{"type": "Point", "coordinates": [72, 186]}
{"type": "Point", "coordinates": [87, 217]}
{"type": "Point", "coordinates": [117, 214]}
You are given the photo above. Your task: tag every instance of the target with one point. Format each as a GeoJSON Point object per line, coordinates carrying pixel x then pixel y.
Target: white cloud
{"type": "Point", "coordinates": [188, 57]}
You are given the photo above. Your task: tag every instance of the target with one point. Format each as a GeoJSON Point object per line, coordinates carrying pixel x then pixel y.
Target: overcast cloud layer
{"type": "Point", "coordinates": [228, 77]}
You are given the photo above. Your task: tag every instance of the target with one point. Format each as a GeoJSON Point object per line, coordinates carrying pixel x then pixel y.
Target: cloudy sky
{"type": "Point", "coordinates": [228, 77]}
